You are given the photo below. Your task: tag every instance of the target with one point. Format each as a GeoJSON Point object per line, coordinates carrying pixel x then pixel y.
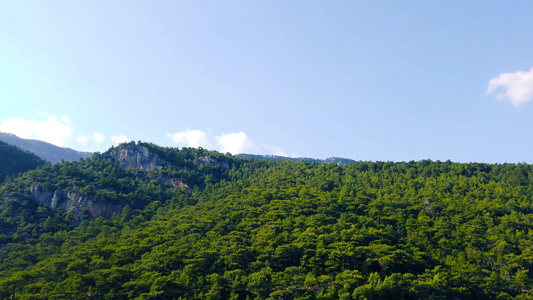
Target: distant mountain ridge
{"type": "Point", "coordinates": [55, 154]}
{"type": "Point", "coordinates": [332, 160]}
{"type": "Point", "coordinates": [44, 150]}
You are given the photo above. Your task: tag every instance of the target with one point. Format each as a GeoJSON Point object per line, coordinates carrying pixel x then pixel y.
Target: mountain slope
{"type": "Point", "coordinates": [197, 224]}
{"type": "Point", "coordinates": [131, 175]}
{"type": "Point", "coordinates": [14, 160]}
{"type": "Point", "coordinates": [44, 150]}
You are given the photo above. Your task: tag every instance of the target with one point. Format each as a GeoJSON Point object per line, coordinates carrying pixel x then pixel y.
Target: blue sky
{"type": "Point", "coordinates": [367, 80]}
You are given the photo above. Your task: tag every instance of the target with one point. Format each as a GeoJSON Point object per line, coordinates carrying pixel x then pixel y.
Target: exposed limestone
{"type": "Point", "coordinates": [174, 182]}
{"type": "Point", "coordinates": [130, 156]}
{"type": "Point", "coordinates": [127, 156]}
{"type": "Point", "coordinates": [210, 160]}
{"type": "Point", "coordinates": [73, 202]}
{"type": "Point", "coordinates": [178, 184]}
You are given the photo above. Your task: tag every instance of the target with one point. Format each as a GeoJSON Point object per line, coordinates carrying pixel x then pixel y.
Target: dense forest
{"type": "Point", "coordinates": [197, 224]}
{"type": "Point", "coordinates": [14, 161]}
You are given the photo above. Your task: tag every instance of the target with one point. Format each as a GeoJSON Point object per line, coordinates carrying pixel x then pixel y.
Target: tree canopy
{"type": "Point", "coordinates": [253, 229]}
{"type": "Point", "coordinates": [14, 160]}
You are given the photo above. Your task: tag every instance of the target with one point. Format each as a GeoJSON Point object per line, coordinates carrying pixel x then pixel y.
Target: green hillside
{"type": "Point", "coordinates": [196, 224]}
{"type": "Point", "coordinates": [14, 160]}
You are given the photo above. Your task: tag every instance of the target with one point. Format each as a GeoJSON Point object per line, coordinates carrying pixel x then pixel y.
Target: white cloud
{"type": "Point", "coordinates": [54, 129]}
{"type": "Point", "coordinates": [82, 139]}
{"type": "Point", "coordinates": [98, 137]}
{"type": "Point", "coordinates": [234, 143]}
{"type": "Point", "coordinates": [517, 87]}
{"type": "Point", "coordinates": [274, 150]}
{"type": "Point", "coordinates": [120, 139]}
{"type": "Point", "coordinates": [190, 138]}
{"type": "Point", "coordinates": [65, 119]}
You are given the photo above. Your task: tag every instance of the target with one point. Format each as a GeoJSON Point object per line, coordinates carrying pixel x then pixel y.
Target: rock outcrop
{"type": "Point", "coordinates": [73, 202]}
{"type": "Point", "coordinates": [126, 156]}
{"type": "Point", "coordinates": [210, 160]}
{"type": "Point", "coordinates": [131, 156]}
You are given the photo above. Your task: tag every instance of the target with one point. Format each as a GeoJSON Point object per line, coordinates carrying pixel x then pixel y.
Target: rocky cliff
{"type": "Point", "coordinates": [128, 156]}
{"type": "Point", "coordinates": [210, 160]}
{"type": "Point", "coordinates": [73, 202]}
{"type": "Point", "coordinates": [131, 156]}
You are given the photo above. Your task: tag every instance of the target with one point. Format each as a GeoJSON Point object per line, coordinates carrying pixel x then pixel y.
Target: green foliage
{"type": "Point", "coordinates": [256, 229]}
{"type": "Point", "coordinates": [14, 161]}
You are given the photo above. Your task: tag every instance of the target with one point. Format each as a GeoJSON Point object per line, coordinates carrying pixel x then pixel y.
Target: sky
{"type": "Point", "coordinates": [366, 80]}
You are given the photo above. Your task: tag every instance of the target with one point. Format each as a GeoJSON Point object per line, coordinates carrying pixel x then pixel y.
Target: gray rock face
{"type": "Point", "coordinates": [128, 156]}
{"type": "Point", "coordinates": [136, 157]}
{"type": "Point", "coordinates": [73, 202]}
{"type": "Point", "coordinates": [210, 160]}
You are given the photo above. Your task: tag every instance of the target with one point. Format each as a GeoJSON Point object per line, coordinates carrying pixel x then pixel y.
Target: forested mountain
{"type": "Point", "coordinates": [44, 150]}
{"type": "Point", "coordinates": [197, 224]}
{"type": "Point", "coordinates": [14, 160]}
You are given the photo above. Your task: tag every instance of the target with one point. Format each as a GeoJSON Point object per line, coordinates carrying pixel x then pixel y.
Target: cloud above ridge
{"type": "Point", "coordinates": [516, 87]}
{"type": "Point", "coordinates": [53, 129]}
{"type": "Point", "coordinates": [190, 138]}
{"type": "Point", "coordinates": [120, 139]}
{"type": "Point", "coordinates": [98, 137]}
{"type": "Point", "coordinates": [57, 130]}
{"type": "Point", "coordinates": [82, 140]}
{"type": "Point", "coordinates": [234, 143]}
